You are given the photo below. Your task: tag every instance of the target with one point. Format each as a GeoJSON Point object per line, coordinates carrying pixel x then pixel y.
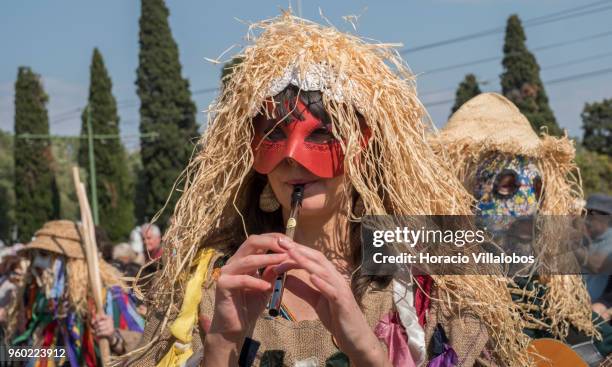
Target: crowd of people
{"type": "Point", "coordinates": [44, 288]}
{"type": "Point", "coordinates": [313, 130]}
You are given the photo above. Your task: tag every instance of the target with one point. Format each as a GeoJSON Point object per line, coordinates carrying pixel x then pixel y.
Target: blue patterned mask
{"type": "Point", "coordinates": [506, 187]}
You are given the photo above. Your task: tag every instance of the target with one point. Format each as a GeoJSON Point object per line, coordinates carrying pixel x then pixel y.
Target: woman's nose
{"type": "Point", "coordinates": [292, 162]}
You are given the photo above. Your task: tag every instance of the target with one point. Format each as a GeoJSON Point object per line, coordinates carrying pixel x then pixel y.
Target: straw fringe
{"type": "Point", "coordinates": [396, 174]}
{"type": "Point", "coordinates": [567, 301]}
{"type": "Point", "coordinates": [78, 282]}
{"type": "Point", "coordinates": [76, 271]}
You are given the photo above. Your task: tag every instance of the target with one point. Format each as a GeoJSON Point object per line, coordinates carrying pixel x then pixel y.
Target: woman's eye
{"type": "Point", "coordinates": [320, 136]}
{"type": "Point", "coordinates": [276, 134]}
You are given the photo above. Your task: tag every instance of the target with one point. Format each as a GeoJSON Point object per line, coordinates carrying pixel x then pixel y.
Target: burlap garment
{"type": "Point", "coordinates": [467, 335]}
{"type": "Point", "coordinates": [299, 340]}
{"type": "Point", "coordinates": [131, 339]}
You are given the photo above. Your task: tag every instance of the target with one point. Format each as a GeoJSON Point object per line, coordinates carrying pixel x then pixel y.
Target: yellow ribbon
{"type": "Point", "coordinates": [182, 327]}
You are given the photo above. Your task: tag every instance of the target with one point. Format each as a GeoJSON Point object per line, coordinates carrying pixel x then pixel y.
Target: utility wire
{"type": "Point", "coordinates": [545, 19]}
{"type": "Point", "coordinates": [78, 137]}
{"type": "Point", "coordinates": [579, 76]}
{"type": "Point", "coordinates": [577, 61]}
{"type": "Point", "coordinates": [496, 58]}
{"type": "Point", "coordinates": [547, 83]}
{"type": "Point", "coordinates": [545, 68]}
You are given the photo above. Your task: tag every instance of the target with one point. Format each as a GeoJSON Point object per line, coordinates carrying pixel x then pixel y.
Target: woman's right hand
{"type": "Point", "coordinates": [241, 296]}
{"type": "Point", "coordinates": [601, 309]}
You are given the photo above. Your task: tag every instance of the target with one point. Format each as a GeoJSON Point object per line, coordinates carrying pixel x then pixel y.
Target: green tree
{"type": "Point", "coordinates": [135, 167]}
{"type": "Point", "coordinates": [65, 153]}
{"type": "Point", "coordinates": [597, 126]}
{"type": "Point", "coordinates": [7, 199]}
{"type": "Point", "coordinates": [166, 109]}
{"type": "Point", "coordinates": [228, 68]}
{"type": "Point", "coordinates": [36, 194]}
{"type": "Point", "coordinates": [521, 81]}
{"type": "Point", "coordinates": [595, 170]}
{"type": "Point", "coordinates": [467, 90]}
{"type": "Point", "coordinates": [114, 192]}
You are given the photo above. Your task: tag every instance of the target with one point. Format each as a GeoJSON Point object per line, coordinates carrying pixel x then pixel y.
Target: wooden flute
{"type": "Point", "coordinates": [279, 283]}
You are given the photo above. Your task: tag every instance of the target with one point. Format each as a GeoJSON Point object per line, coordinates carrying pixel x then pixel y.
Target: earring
{"type": "Point", "coordinates": [267, 200]}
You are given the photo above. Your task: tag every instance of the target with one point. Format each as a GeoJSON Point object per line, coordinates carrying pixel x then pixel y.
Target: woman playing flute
{"type": "Point", "coordinates": [308, 105]}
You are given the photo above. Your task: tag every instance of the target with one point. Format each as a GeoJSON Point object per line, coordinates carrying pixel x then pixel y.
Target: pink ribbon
{"type": "Point", "coordinates": [391, 331]}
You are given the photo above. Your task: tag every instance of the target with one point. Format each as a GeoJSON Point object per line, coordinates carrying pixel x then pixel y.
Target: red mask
{"type": "Point", "coordinates": [308, 142]}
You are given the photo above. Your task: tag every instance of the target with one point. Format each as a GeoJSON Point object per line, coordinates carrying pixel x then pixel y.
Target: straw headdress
{"type": "Point", "coordinates": [397, 173]}
{"type": "Point", "coordinates": [61, 237]}
{"type": "Point", "coordinates": [487, 119]}
{"type": "Point", "coordinates": [64, 238]}
{"type": "Point", "coordinates": [490, 124]}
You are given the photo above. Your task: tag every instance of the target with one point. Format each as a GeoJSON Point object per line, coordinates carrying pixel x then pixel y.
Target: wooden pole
{"type": "Point", "coordinates": [91, 255]}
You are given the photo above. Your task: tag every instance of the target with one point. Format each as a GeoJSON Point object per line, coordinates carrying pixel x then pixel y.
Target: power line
{"type": "Point", "coordinates": [545, 19]}
{"type": "Point", "coordinates": [205, 91]}
{"type": "Point", "coordinates": [495, 58]}
{"type": "Point", "coordinates": [562, 12]}
{"type": "Point", "coordinates": [579, 76]}
{"type": "Point", "coordinates": [540, 20]}
{"type": "Point", "coordinates": [78, 137]}
{"type": "Point", "coordinates": [546, 83]}
{"type": "Point", "coordinates": [76, 112]}
{"type": "Point", "coordinates": [545, 68]}
{"type": "Point", "coordinates": [69, 112]}
{"type": "Point", "coordinates": [577, 61]}
{"type": "Point", "coordinates": [126, 103]}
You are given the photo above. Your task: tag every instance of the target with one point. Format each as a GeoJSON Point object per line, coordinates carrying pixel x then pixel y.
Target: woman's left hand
{"type": "Point", "coordinates": [334, 303]}
{"type": "Point", "coordinates": [103, 326]}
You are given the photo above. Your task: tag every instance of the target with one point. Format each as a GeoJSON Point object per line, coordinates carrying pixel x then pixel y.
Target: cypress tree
{"type": "Point", "coordinates": [597, 126]}
{"type": "Point", "coordinates": [467, 89]}
{"type": "Point", "coordinates": [36, 194]}
{"type": "Point", "coordinates": [5, 219]}
{"type": "Point", "coordinates": [113, 186]}
{"type": "Point", "coordinates": [521, 81]}
{"type": "Point", "coordinates": [228, 69]}
{"type": "Point", "coordinates": [6, 186]}
{"type": "Point", "coordinates": [166, 109]}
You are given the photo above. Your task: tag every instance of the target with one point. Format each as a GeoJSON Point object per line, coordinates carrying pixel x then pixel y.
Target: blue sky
{"type": "Point", "coordinates": [56, 39]}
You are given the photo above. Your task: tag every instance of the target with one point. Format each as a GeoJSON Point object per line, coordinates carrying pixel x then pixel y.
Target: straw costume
{"type": "Point", "coordinates": [370, 95]}
{"type": "Point", "coordinates": [488, 138]}
{"type": "Point", "coordinates": [55, 304]}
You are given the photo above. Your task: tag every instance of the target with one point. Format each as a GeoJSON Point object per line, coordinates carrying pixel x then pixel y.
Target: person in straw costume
{"type": "Point", "coordinates": [513, 173]}
{"type": "Point", "coordinates": [307, 104]}
{"type": "Point", "coordinates": [55, 305]}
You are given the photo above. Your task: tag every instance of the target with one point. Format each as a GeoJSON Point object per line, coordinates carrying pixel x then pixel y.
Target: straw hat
{"type": "Point", "coordinates": [490, 123]}
{"type": "Point", "coordinates": [62, 237]}
{"type": "Point", "coordinates": [491, 119]}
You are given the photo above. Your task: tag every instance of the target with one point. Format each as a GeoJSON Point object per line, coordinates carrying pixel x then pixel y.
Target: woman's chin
{"type": "Point", "coordinates": [315, 204]}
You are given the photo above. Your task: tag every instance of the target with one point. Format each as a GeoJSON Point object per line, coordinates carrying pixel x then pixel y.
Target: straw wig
{"type": "Point", "coordinates": [396, 173]}
{"type": "Point", "coordinates": [490, 124]}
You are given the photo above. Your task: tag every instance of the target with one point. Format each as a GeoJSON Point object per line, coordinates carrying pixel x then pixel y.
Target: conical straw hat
{"type": "Point", "coordinates": [491, 120]}
{"type": "Point", "coordinates": [59, 236]}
